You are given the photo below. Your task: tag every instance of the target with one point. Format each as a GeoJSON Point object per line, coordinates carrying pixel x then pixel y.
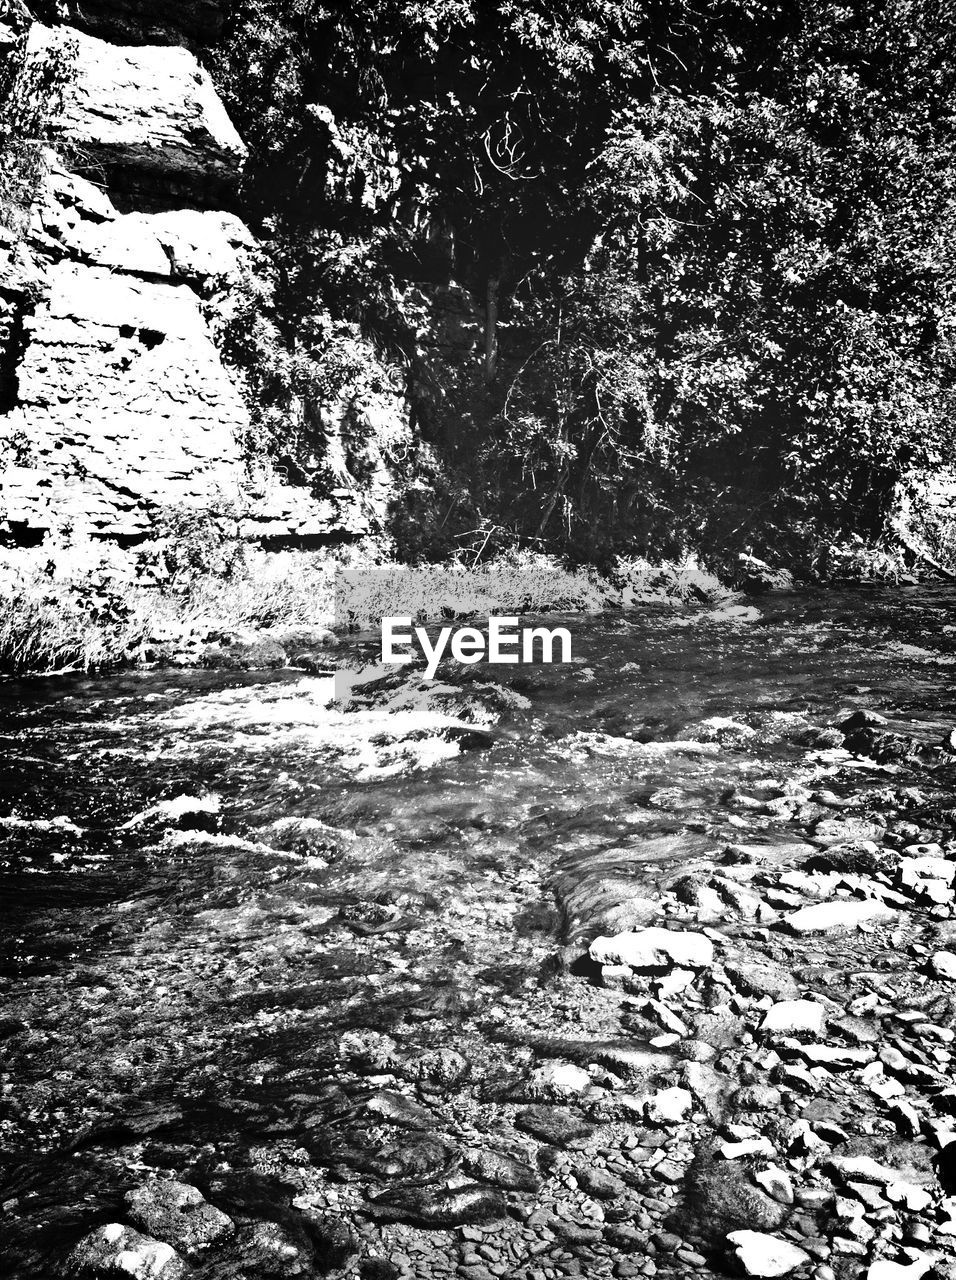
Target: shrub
{"type": "Point", "coordinates": [31, 98]}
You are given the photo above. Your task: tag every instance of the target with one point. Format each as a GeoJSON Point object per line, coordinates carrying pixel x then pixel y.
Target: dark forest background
{"type": "Point", "coordinates": [651, 275]}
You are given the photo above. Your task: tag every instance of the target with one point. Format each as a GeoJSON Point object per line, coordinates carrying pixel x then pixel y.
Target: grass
{"type": "Point", "coordinates": [86, 606]}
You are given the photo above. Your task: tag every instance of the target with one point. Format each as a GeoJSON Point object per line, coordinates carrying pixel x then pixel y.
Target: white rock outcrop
{"type": "Point", "coordinates": [117, 401]}
{"type": "Point", "coordinates": [145, 109]}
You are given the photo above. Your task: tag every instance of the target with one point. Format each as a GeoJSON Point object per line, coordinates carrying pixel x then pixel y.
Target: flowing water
{"type": "Point", "coordinates": [228, 911]}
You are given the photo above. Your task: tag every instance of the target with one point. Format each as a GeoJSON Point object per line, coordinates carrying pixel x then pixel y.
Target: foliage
{"type": "Point", "coordinates": [31, 97]}
{"type": "Point", "coordinates": [711, 250]}
{"type": "Point", "coordinates": [189, 543]}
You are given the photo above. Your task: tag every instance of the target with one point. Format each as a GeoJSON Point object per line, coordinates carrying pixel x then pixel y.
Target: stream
{"type": "Point", "coordinates": [329, 968]}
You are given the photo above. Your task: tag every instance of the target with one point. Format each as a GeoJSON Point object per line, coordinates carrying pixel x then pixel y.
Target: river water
{"type": "Point", "coordinates": [234, 920]}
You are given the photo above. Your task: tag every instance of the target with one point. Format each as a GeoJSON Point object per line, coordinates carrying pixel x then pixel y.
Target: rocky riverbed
{"type": "Point", "coordinates": [644, 965]}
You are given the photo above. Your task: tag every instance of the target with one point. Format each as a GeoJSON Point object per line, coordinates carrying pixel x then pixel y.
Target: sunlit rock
{"type": "Point", "coordinates": [838, 916]}
{"type": "Point", "coordinates": [654, 949]}
{"type": "Point", "coordinates": [117, 1250]}
{"type": "Point", "coordinates": [765, 1255]}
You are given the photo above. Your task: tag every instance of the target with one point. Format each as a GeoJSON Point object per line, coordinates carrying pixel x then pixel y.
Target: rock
{"type": "Point", "coordinates": [836, 1055]}
{"type": "Point", "coordinates": [839, 916]}
{"type": "Point", "coordinates": [161, 22]}
{"type": "Point", "coordinates": [757, 1097]}
{"type": "Point", "coordinates": [862, 1169]}
{"type": "Point", "coordinates": [558, 1079]}
{"type": "Point", "coordinates": [719, 1027]}
{"type": "Point", "coordinates": [669, 1106]}
{"type": "Point", "coordinates": [709, 1087]}
{"type": "Point", "coordinates": [760, 1146]}
{"type": "Point", "coordinates": [909, 1195]}
{"type": "Point", "coordinates": [624, 1239]}
{"type": "Point", "coordinates": [553, 1125]}
{"type": "Point", "coordinates": [183, 139]}
{"type": "Point", "coordinates": [333, 1238]}
{"type": "Point", "coordinates": [788, 1016]}
{"type": "Point", "coordinates": [268, 1250]}
{"type": "Point", "coordinates": [117, 1250]}
{"type": "Point", "coordinates": [177, 1214]}
{"type": "Point", "coordinates": [911, 872]}
{"type": "Point", "coordinates": [862, 719]}
{"type": "Point", "coordinates": [376, 1268]}
{"type": "Point", "coordinates": [846, 830]}
{"type": "Point", "coordinates": [129, 407]}
{"type": "Point", "coordinates": [943, 965]}
{"type": "Point", "coordinates": [499, 1169]}
{"type": "Point", "coordinates": [776, 1182]}
{"type": "Point", "coordinates": [883, 1269]}
{"type": "Point", "coordinates": [395, 1108]}
{"type": "Point", "coordinates": [720, 1198]}
{"type": "Point", "coordinates": [654, 948]}
{"type": "Point", "coordinates": [259, 654]}
{"type": "Point", "coordinates": [437, 1208]}
{"type": "Point", "coordinates": [600, 1184]}
{"type": "Point", "coordinates": [764, 1255]}
{"type": "Point", "coordinates": [759, 977]}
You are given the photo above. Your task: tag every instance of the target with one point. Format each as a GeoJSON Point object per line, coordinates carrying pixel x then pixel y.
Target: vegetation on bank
{"type": "Point", "coordinates": [652, 278]}
{"type": "Point", "coordinates": [193, 596]}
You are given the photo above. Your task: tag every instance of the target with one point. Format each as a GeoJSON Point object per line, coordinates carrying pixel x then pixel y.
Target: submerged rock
{"type": "Point", "coordinates": [438, 1207]}
{"type": "Point", "coordinates": [552, 1124]}
{"type": "Point", "coordinates": [268, 1250]}
{"type": "Point", "coordinates": [177, 1214]}
{"type": "Point", "coordinates": [499, 1169]}
{"type": "Point", "coordinates": [395, 1108]}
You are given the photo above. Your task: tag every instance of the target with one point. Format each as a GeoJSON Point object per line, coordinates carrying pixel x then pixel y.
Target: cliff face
{"type": "Point", "coordinates": [114, 401]}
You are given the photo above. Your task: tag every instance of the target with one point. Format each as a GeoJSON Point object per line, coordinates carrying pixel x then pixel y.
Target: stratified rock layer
{"type": "Point", "coordinates": [114, 401]}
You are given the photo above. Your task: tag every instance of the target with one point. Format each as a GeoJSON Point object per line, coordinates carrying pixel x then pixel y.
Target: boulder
{"type": "Point", "coordinates": [776, 1182]}
{"type": "Point", "coordinates": [760, 1254]}
{"type": "Point", "coordinates": [654, 949]}
{"type": "Point", "coordinates": [755, 976]}
{"type": "Point", "coordinates": [943, 965]}
{"type": "Point", "coordinates": [788, 1016]}
{"type": "Point", "coordinates": [838, 916]}
{"type": "Point", "coordinates": [177, 1214]}
{"type": "Point", "coordinates": [669, 1106]}
{"type": "Point", "coordinates": [118, 1250]}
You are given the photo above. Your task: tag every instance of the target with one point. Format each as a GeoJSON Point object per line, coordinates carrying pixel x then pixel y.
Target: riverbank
{"type": "Point", "coordinates": [92, 607]}
{"type": "Point", "coordinates": [643, 967]}
{"type": "Point", "coordinates": [202, 599]}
